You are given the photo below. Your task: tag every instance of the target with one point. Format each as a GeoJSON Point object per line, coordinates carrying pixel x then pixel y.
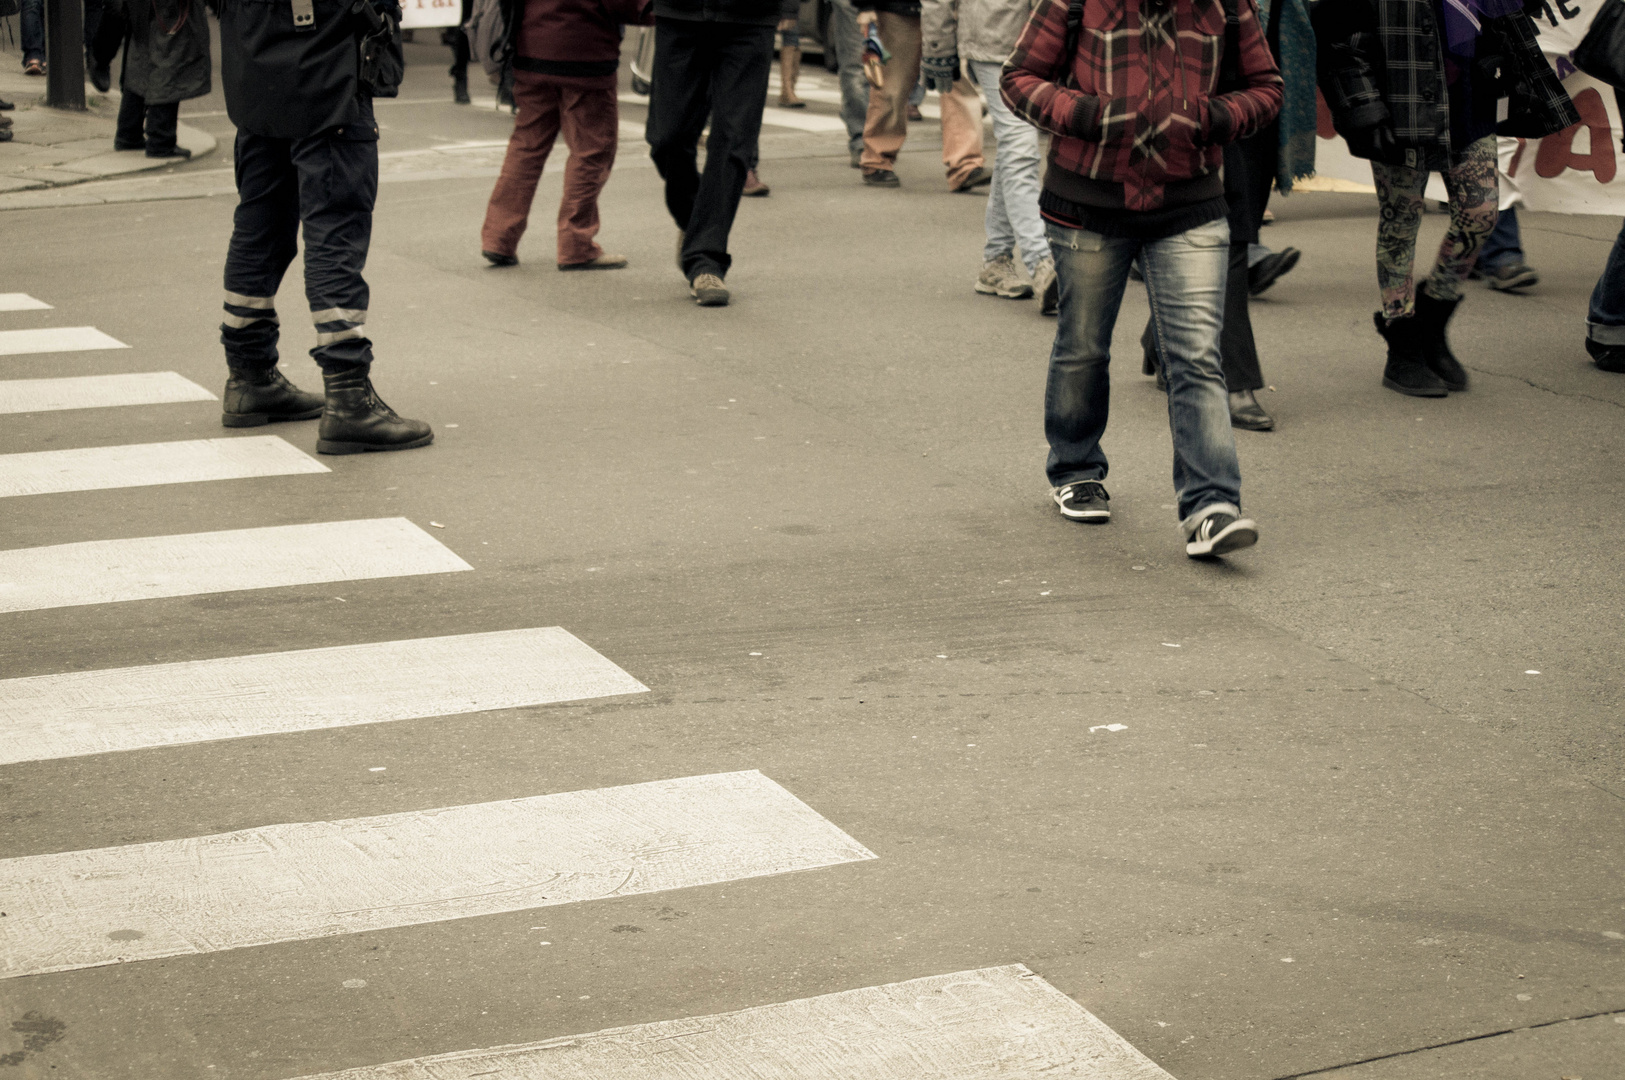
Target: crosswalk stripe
{"type": "Point", "coordinates": [295, 882]}
{"type": "Point", "coordinates": [21, 301]}
{"type": "Point", "coordinates": [149, 567]}
{"type": "Point", "coordinates": [56, 339]}
{"type": "Point", "coordinates": [970, 1025]}
{"type": "Point", "coordinates": [776, 117]}
{"type": "Point", "coordinates": [98, 392]}
{"type": "Point", "coordinates": [145, 464]}
{"type": "Point", "coordinates": [95, 712]}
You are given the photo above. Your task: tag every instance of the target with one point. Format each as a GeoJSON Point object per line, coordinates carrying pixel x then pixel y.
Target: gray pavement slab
{"type": "Point", "coordinates": [1339, 822]}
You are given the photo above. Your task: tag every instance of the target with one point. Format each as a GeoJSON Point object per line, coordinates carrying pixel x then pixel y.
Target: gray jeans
{"type": "Point", "coordinates": [848, 44]}
{"type": "Point", "coordinates": [1012, 201]}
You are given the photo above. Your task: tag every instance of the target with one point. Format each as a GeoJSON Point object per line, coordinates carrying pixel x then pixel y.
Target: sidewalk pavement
{"type": "Point", "coordinates": [57, 147]}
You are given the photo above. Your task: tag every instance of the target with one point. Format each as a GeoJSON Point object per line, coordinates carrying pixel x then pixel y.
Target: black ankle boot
{"type": "Point", "coordinates": [356, 421]}
{"type": "Point", "coordinates": [259, 396]}
{"type": "Point", "coordinates": [1407, 370]}
{"type": "Point", "coordinates": [1432, 316]}
{"type": "Point", "coordinates": [459, 89]}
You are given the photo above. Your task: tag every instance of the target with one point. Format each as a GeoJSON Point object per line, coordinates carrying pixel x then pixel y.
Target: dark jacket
{"type": "Point", "coordinates": [167, 56]}
{"type": "Point", "coordinates": [1381, 62]}
{"type": "Point", "coordinates": [578, 41]}
{"type": "Point", "coordinates": [1139, 111]}
{"type": "Point", "coordinates": [744, 12]}
{"type": "Point", "coordinates": [285, 83]}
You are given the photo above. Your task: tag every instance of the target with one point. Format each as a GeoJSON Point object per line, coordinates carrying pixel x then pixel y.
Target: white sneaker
{"type": "Point", "coordinates": [1002, 277]}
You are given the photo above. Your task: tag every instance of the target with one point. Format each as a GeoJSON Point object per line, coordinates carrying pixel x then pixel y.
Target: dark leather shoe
{"type": "Point", "coordinates": [254, 398]}
{"type": "Point", "coordinates": [1269, 268]}
{"type": "Point", "coordinates": [356, 421]}
{"type": "Point", "coordinates": [1246, 413]}
{"type": "Point", "coordinates": [1607, 357]}
{"type": "Point", "coordinates": [180, 153]}
{"type": "Point", "coordinates": [880, 178]}
{"type": "Point", "coordinates": [498, 259]}
{"type": "Point", "coordinates": [978, 176]}
{"type": "Point", "coordinates": [101, 75]}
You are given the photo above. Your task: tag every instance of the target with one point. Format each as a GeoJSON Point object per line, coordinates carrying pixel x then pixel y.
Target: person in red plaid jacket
{"type": "Point", "coordinates": [1140, 111]}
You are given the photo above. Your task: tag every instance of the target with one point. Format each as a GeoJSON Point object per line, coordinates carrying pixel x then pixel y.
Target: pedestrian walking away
{"type": "Point", "coordinates": [1112, 195]}
{"type": "Point", "coordinates": [307, 153]}
{"type": "Point", "coordinates": [563, 55]}
{"type": "Point", "coordinates": [1501, 264]}
{"type": "Point", "coordinates": [897, 23]}
{"type": "Point", "coordinates": [847, 42]}
{"type": "Point", "coordinates": [456, 38]}
{"type": "Point", "coordinates": [1274, 157]}
{"type": "Point", "coordinates": [166, 62]}
{"type": "Point", "coordinates": [789, 65]}
{"type": "Point", "coordinates": [1416, 86]}
{"type": "Point", "coordinates": [979, 34]}
{"type": "Point", "coordinates": [712, 61]}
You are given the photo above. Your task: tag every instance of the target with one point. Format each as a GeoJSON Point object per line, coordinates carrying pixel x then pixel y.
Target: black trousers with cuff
{"type": "Point", "coordinates": [327, 183]}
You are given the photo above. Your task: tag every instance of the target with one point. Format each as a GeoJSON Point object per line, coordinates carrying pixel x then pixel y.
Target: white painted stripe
{"type": "Point", "coordinates": [776, 117]}
{"type": "Point", "coordinates": [80, 909]}
{"type": "Point", "coordinates": [56, 339]}
{"type": "Point", "coordinates": [94, 712]}
{"type": "Point", "coordinates": [971, 1025]}
{"type": "Point", "coordinates": [148, 567]}
{"type": "Point", "coordinates": [21, 301]}
{"type": "Point", "coordinates": [98, 392]}
{"type": "Point", "coordinates": [146, 464]}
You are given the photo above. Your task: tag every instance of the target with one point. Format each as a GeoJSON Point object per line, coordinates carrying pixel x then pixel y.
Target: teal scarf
{"type": "Point", "coordinates": [1297, 133]}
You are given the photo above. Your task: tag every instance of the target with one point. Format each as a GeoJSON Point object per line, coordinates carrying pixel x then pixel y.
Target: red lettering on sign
{"type": "Point", "coordinates": [1557, 151]}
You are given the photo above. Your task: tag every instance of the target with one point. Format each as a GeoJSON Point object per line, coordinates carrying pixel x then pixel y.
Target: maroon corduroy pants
{"type": "Point", "coordinates": [589, 121]}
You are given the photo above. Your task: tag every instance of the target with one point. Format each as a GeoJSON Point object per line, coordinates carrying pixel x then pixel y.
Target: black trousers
{"type": "Point", "coordinates": [329, 183]}
{"type": "Point", "coordinates": [1249, 173]}
{"type": "Point", "coordinates": [706, 71]}
{"type": "Point", "coordinates": [158, 121]}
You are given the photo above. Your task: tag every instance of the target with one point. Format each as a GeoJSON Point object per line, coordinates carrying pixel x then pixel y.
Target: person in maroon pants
{"type": "Point", "coordinates": [564, 55]}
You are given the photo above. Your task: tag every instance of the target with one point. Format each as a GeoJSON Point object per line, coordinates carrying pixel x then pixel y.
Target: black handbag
{"type": "Point", "coordinates": [1601, 53]}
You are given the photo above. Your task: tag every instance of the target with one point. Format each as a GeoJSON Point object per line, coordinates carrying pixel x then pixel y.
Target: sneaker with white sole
{"type": "Point", "coordinates": [1084, 500]}
{"type": "Point", "coordinates": [1219, 533]}
{"type": "Point", "coordinates": [1002, 277]}
{"type": "Point", "coordinates": [708, 291]}
{"type": "Point", "coordinates": [1046, 287]}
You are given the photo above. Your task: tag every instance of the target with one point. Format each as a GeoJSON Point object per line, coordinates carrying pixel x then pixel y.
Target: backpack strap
{"type": "Point", "coordinates": [1074, 30]}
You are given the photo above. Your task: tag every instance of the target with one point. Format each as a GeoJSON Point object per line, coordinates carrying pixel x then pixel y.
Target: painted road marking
{"type": "Point", "coordinates": [56, 339]}
{"type": "Point", "coordinates": [149, 567]}
{"type": "Point", "coordinates": [21, 301]}
{"type": "Point", "coordinates": [80, 909]}
{"type": "Point", "coordinates": [98, 392]}
{"type": "Point", "coordinates": [778, 118]}
{"type": "Point", "coordinates": [146, 464]}
{"type": "Point", "coordinates": [971, 1025]}
{"type": "Point", "coordinates": [95, 712]}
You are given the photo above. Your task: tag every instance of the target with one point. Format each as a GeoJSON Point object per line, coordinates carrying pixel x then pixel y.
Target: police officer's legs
{"type": "Point", "coordinates": [263, 242]}
{"type": "Point", "coordinates": [338, 182]}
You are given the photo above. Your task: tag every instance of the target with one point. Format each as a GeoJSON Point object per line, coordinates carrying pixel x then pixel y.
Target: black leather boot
{"type": "Point", "coordinates": [1246, 413]}
{"type": "Point", "coordinates": [356, 421]}
{"type": "Point", "coordinates": [1407, 370]}
{"type": "Point", "coordinates": [1433, 316]}
{"type": "Point", "coordinates": [459, 89]}
{"type": "Point", "coordinates": [258, 396]}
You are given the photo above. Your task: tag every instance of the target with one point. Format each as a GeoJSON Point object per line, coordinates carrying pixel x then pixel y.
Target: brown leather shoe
{"type": "Point", "coordinates": [603, 262]}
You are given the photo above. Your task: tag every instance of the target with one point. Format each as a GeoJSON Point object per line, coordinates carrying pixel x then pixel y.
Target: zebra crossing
{"type": "Point", "coordinates": [282, 882]}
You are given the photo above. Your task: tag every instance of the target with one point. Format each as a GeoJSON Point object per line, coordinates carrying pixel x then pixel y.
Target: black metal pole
{"type": "Point", "coordinates": [65, 54]}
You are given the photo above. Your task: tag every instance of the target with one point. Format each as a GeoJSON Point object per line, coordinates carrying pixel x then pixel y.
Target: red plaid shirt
{"type": "Point", "coordinates": [1140, 108]}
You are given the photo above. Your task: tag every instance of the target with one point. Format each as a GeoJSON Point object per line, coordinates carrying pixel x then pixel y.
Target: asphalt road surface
{"type": "Point", "coordinates": [838, 701]}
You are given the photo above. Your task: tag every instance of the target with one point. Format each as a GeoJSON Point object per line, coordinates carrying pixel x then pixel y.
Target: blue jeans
{"type": "Point", "coordinates": [843, 28]}
{"type": "Point", "coordinates": [1605, 322]}
{"type": "Point", "coordinates": [1185, 277]}
{"type": "Point", "coordinates": [1012, 201]}
{"type": "Point", "coordinates": [1504, 245]}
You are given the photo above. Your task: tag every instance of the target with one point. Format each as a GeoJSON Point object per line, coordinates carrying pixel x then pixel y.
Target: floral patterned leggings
{"type": "Point", "coordinates": [1474, 190]}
